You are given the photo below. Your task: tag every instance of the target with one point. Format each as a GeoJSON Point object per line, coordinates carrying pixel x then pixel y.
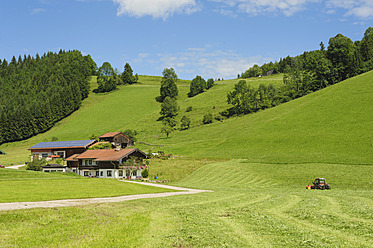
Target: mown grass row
{"type": "Point", "coordinates": [252, 205]}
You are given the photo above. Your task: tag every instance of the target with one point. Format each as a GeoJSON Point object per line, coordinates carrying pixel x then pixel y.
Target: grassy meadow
{"type": "Point", "coordinates": [21, 186]}
{"type": "Point", "coordinates": [257, 166]}
{"type": "Point", "coordinates": [253, 205]}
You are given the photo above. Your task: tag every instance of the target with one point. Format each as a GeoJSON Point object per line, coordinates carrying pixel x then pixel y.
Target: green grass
{"type": "Point", "coordinates": [19, 186]}
{"type": "Point", "coordinates": [257, 165]}
{"type": "Point", "coordinates": [130, 107]}
{"type": "Point", "coordinates": [253, 204]}
{"type": "Point", "coordinates": [333, 125]}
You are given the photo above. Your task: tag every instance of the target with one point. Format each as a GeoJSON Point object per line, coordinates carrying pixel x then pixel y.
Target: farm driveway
{"type": "Point", "coordinates": [76, 202]}
{"type": "Point", "coordinates": [16, 167]}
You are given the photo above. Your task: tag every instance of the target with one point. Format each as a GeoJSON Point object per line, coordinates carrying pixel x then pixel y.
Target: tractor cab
{"type": "Point", "coordinates": [319, 183]}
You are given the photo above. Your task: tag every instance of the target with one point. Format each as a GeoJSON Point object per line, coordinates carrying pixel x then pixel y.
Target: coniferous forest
{"type": "Point", "coordinates": [36, 92]}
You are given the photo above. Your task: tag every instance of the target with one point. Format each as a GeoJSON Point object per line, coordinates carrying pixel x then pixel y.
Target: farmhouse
{"type": "Point", "coordinates": [59, 149]}
{"type": "Point", "coordinates": [108, 163]}
{"type": "Point", "coordinates": [117, 139]}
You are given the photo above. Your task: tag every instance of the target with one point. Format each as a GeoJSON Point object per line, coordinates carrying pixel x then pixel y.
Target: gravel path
{"type": "Point", "coordinates": [76, 202]}
{"type": "Point", "coordinates": [16, 167]}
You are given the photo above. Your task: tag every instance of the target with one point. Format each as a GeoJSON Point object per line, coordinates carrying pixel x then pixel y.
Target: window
{"type": "Point", "coordinates": [102, 173]}
{"type": "Point", "coordinates": [109, 173]}
{"type": "Point", "coordinates": [120, 173]}
{"type": "Point", "coordinates": [46, 171]}
{"type": "Point", "coordinates": [61, 154]}
{"type": "Point", "coordinates": [86, 173]}
{"type": "Point", "coordinates": [134, 173]}
{"type": "Point", "coordinates": [44, 155]}
{"type": "Point", "coordinates": [90, 162]}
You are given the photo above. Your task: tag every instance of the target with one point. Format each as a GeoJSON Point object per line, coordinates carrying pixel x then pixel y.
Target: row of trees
{"type": "Point", "coordinates": [108, 78]}
{"type": "Point", "coordinates": [305, 73]}
{"type": "Point", "coordinates": [36, 92]}
{"type": "Point", "coordinates": [342, 59]}
{"type": "Point", "coordinates": [246, 99]}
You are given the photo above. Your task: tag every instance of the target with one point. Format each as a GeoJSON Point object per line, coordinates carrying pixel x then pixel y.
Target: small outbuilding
{"type": "Point", "coordinates": [117, 139]}
{"type": "Point", "coordinates": [54, 168]}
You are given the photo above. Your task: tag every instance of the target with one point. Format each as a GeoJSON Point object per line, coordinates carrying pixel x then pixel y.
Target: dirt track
{"type": "Point", "coordinates": [76, 202]}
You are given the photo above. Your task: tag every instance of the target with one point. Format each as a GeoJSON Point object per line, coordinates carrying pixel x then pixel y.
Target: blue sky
{"type": "Point", "coordinates": [211, 38]}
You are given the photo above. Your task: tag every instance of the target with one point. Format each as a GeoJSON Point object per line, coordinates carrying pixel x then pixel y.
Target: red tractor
{"type": "Point", "coordinates": [319, 183]}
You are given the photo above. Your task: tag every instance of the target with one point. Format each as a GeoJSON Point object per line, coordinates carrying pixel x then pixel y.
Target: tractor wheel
{"type": "Point", "coordinates": [322, 187]}
{"type": "Point", "coordinates": [327, 186]}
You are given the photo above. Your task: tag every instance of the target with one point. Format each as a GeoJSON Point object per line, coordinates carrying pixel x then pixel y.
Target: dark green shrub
{"type": "Point", "coordinates": [36, 164]}
{"type": "Point", "coordinates": [207, 118]}
{"type": "Point", "coordinates": [185, 123]}
{"type": "Point", "coordinates": [145, 173]}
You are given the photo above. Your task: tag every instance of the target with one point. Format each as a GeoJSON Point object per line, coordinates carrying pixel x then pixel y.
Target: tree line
{"type": "Point", "coordinates": [36, 92]}
{"type": "Point", "coordinates": [347, 57]}
{"type": "Point", "coordinates": [304, 74]}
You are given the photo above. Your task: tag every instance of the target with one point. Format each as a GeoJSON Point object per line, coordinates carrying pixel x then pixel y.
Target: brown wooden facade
{"type": "Point", "coordinates": [117, 139]}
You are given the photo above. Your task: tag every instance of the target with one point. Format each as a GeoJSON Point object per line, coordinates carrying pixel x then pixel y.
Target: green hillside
{"type": "Point", "coordinates": [131, 107]}
{"type": "Point", "coordinates": [333, 125]}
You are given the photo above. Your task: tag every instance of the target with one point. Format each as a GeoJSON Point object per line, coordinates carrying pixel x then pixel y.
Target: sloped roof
{"type": "Point", "coordinates": [72, 157]}
{"type": "Point", "coordinates": [54, 166]}
{"type": "Point", "coordinates": [63, 144]}
{"type": "Point", "coordinates": [109, 135]}
{"type": "Point", "coordinates": [108, 154]}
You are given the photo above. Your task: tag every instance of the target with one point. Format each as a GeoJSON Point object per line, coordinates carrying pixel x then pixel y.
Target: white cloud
{"type": "Point", "coordinates": [156, 8]}
{"type": "Point", "coordinates": [360, 8]}
{"type": "Point", "coordinates": [257, 7]}
{"type": "Point", "coordinates": [37, 11]}
{"type": "Point", "coordinates": [209, 63]}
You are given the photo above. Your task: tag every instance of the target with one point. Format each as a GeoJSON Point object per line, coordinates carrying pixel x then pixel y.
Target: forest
{"type": "Point", "coordinates": [36, 92]}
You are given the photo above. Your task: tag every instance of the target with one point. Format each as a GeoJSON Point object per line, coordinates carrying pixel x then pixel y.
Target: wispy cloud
{"type": "Point", "coordinates": [37, 11]}
{"type": "Point", "coordinates": [209, 63]}
{"type": "Point", "coordinates": [263, 7]}
{"type": "Point", "coordinates": [156, 8]}
{"type": "Point", "coordinates": [362, 9]}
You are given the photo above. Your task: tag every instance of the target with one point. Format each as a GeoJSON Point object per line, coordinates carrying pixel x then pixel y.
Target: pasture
{"type": "Point", "coordinates": [253, 204]}
{"type": "Point", "coordinates": [21, 186]}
